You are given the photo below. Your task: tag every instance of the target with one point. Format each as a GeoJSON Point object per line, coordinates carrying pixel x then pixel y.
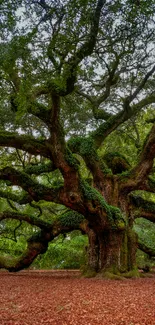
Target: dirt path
{"type": "Point", "coordinates": [62, 298]}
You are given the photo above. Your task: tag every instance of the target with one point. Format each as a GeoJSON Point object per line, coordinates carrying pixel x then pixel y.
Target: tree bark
{"type": "Point", "coordinates": [112, 251]}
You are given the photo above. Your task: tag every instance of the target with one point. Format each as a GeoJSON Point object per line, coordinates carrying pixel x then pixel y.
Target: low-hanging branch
{"type": "Point", "coordinates": [20, 199]}
{"type": "Point", "coordinates": [143, 213]}
{"type": "Point", "coordinates": [25, 143]}
{"type": "Point", "coordinates": [32, 220]}
{"type": "Point", "coordinates": [38, 243]}
{"type": "Point", "coordinates": [33, 188]}
{"type": "Point", "coordinates": [40, 168]}
{"type": "Point", "coordinates": [143, 208]}
{"type": "Point", "coordinates": [148, 250]}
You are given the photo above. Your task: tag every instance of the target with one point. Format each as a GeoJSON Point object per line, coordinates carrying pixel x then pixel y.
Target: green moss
{"type": "Point", "coordinates": [115, 217]}
{"type": "Point", "coordinates": [57, 183]}
{"type": "Point", "coordinates": [131, 274]}
{"type": "Point", "coordinates": [40, 168]}
{"type": "Point", "coordinates": [72, 161]}
{"type": "Point", "coordinates": [104, 168]}
{"type": "Point", "coordinates": [92, 194]}
{"type": "Point", "coordinates": [119, 221]}
{"type": "Point", "coordinates": [71, 219]}
{"type": "Point", "coordinates": [87, 149]}
{"type": "Point", "coordinates": [117, 162]}
{"type": "Point", "coordinates": [111, 276]}
{"type": "Point", "coordinates": [7, 261]}
{"type": "Point", "coordinates": [84, 146]}
{"type": "Point", "coordinates": [140, 202]}
{"type": "Point", "coordinates": [89, 180]}
{"type": "Point", "coordinates": [89, 274]}
{"type": "Point", "coordinates": [151, 183]}
{"type": "Point", "coordinates": [126, 173]}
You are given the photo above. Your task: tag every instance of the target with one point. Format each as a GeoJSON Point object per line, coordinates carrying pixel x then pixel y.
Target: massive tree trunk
{"type": "Point", "coordinates": [112, 251]}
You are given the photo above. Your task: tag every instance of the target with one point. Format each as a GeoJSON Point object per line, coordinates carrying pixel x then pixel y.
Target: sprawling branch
{"type": "Point", "coordinates": [25, 217]}
{"type": "Point", "coordinates": [86, 49]}
{"type": "Point", "coordinates": [144, 167]}
{"type": "Point", "coordinates": [25, 143]}
{"type": "Point", "coordinates": [83, 199]}
{"type": "Point", "coordinates": [85, 148]}
{"type": "Point", "coordinates": [111, 80]}
{"type": "Point", "coordinates": [140, 87]}
{"type": "Point", "coordinates": [39, 110]}
{"type": "Point", "coordinates": [113, 121]}
{"type": "Point", "coordinates": [20, 199]}
{"type": "Point", "coordinates": [144, 208]}
{"type": "Point", "coordinates": [142, 213]}
{"type": "Point", "coordinates": [98, 113]}
{"type": "Point", "coordinates": [138, 179]}
{"type": "Point", "coordinates": [36, 245]}
{"type": "Point", "coordinates": [150, 99]}
{"type": "Point", "coordinates": [148, 250]}
{"type": "Point", "coordinates": [35, 190]}
{"type": "Point", "coordinates": [110, 125]}
{"type": "Point", "coordinates": [40, 168]}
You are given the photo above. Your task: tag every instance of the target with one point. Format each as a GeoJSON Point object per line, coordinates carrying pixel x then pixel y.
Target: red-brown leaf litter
{"type": "Point", "coordinates": [64, 298]}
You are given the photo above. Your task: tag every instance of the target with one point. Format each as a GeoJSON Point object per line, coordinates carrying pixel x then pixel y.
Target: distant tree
{"type": "Point", "coordinates": [74, 75]}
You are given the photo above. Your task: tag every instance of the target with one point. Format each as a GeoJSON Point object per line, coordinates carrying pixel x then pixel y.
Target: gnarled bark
{"type": "Point", "coordinates": [112, 251]}
{"type": "Point", "coordinates": [36, 245]}
{"type": "Point", "coordinates": [146, 249]}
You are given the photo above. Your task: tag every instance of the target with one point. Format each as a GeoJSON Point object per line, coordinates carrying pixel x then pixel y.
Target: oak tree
{"type": "Point", "coordinates": [72, 74]}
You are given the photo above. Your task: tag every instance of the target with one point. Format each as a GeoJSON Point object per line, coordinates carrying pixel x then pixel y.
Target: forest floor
{"type": "Point", "coordinates": [64, 298]}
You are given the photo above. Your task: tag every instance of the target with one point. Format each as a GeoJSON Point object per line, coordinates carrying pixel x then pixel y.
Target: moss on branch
{"type": "Point", "coordinates": [35, 190]}
{"type": "Point", "coordinates": [106, 128]}
{"type": "Point", "coordinates": [115, 219]}
{"type": "Point", "coordinates": [146, 249]}
{"type": "Point", "coordinates": [142, 203]}
{"type": "Point", "coordinates": [25, 143]}
{"type": "Point", "coordinates": [20, 199]}
{"type": "Point", "coordinates": [151, 183]}
{"type": "Point", "coordinates": [143, 208]}
{"type": "Point", "coordinates": [39, 168]}
{"type": "Point", "coordinates": [146, 159]}
{"type": "Point", "coordinates": [117, 162]}
{"type": "Point", "coordinates": [84, 147]}
{"type": "Point", "coordinates": [71, 219]}
{"type": "Point", "coordinates": [25, 217]}
{"type": "Point", "coordinates": [71, 160]}
{"type": "Point", "coordinates": [36, 244]}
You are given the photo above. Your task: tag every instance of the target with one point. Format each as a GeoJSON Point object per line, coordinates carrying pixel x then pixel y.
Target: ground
{"type": "Point", "coordinates": [64, 298]}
